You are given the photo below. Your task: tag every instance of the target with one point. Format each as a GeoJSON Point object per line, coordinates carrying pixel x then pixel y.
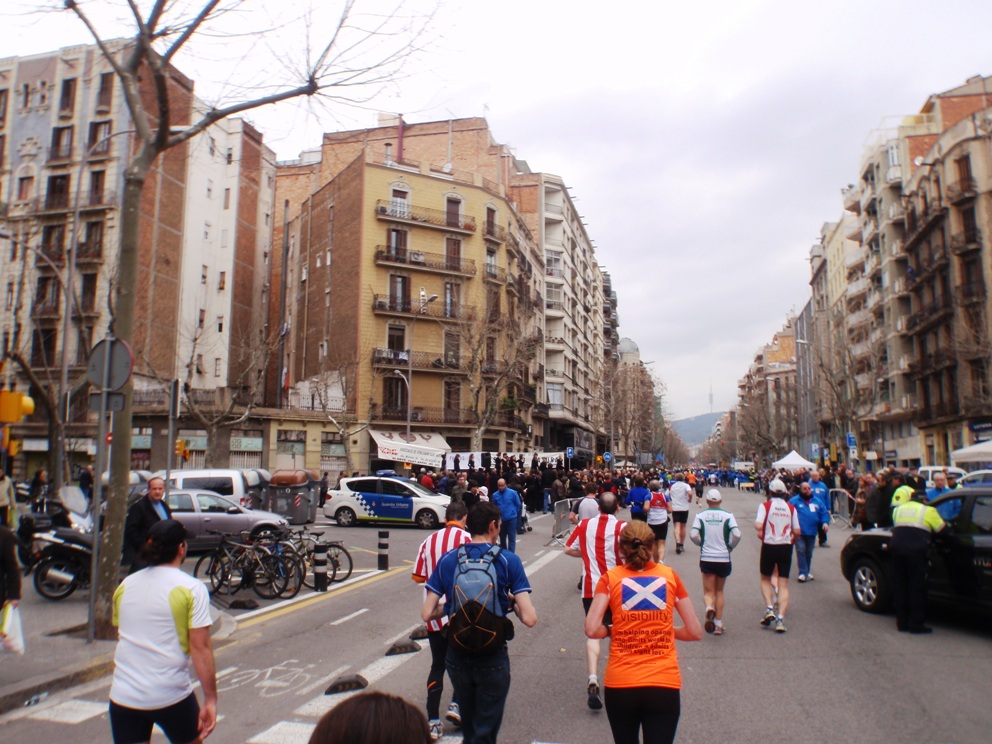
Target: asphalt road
{"type": "Point", "coordinates": [837, 675]}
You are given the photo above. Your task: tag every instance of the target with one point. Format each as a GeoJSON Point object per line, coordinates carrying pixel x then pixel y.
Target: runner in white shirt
{"type": "Point", "coordinates": [777, 525]}
{"type": "Point", "coordinates": [597, 542]}
{"type": "Point", "coordinates": [681, 496]}
{"type": "Point", "coordinates": [658, 519]}
{"type": "Point", "coordinates": [717, 533]}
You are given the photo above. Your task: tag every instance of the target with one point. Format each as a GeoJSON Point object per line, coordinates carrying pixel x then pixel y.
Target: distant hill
{"type": "Point", "coordinates": [695, 430]}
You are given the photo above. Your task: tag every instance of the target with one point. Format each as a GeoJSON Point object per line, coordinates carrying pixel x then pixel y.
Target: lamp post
{"type": "Point", "coordinates": [421, 309]}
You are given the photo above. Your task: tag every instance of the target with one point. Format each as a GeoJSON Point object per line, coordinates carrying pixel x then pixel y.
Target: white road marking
{"type": "Point", "coordinates": [402, 634]}
{"type": "Point", "coordinates": [346, 618]}
{"type": "Point", "coordinates": [284, 732]}
{"type": "Point", "coordinates": [541, 562]}
{"type": "Point", "coordinates": [322, 681]}
{"type": "Point", "coordinates": [225, 672]}
{"type": "Point", "coordinates": [71, 711]}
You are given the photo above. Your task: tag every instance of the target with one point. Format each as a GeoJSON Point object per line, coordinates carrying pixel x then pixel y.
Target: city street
{"type": "Point", "coordinates": [836, 675]}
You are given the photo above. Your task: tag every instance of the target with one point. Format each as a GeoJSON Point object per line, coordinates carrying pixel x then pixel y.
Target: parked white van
{"type": "Point", "coordinates": [223, 481]}
{"type": "Point", "coordinates": [927, 471]}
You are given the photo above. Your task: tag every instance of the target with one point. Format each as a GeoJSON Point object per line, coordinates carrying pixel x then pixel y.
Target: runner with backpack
{"type": "Point", "coordinates": [483, 584]}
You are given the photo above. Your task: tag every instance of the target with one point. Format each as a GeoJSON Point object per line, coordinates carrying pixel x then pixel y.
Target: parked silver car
{"type": "Point", "coordinates": [204, 511]}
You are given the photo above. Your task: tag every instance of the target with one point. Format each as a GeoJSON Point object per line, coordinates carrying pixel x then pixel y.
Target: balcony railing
{"type": "Point", "coordinates": [422, 360]}
{"type": "Point", "coordinates": [966, 188]}
{"type": "Point", "coordinates": [393, 210]}
{"type": "Point", "coordinates": [60, 153]}
{"type": "Point", "coordinates": [493, 273]}
{"type": "Point", "coordinates": [427, 261]}
{"type": "Point", "coordinates": [55, 202]}
{"type": "Point", "coordinates": [403, 305]}
{"type": "Point", "coordinates": [965, 242]}
{"type": "Point", "coordinates": [494, 232]}
{"type": "Point", "coordinates": [554, 305]}
{"type": "Point", "coordinates": [46, 309]}
{"type": "Point", "coordinates": [540, 409]}
{"type": "Point", "coordinates": [424, 414]}
{"type": "Point", "coordinates": [973, 291]}
{"type": "Point", "coordinates": [851, 198]}
{"type": "Point", "coordinates": [916, 228]}
{"type": "Point", "coordinates": [552, 271]}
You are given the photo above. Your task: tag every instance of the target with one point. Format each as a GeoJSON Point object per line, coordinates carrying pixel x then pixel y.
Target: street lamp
{"type": "Point", "coordinates": [421, 309]}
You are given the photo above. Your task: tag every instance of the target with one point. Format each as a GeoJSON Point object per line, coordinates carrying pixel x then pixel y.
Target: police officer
{"type": "Point", "coordinates": [913, 524]}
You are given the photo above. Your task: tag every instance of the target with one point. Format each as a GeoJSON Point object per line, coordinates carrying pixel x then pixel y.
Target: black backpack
{"type": "Point", "coordinates": [477, 624]}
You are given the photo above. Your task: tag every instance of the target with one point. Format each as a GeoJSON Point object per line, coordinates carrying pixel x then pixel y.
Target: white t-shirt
{"type": "Point", "coordinates": [587, 508]}
{"type": "Point", "coordinates": [681, 494]}
{"type": "Point", "coordinates": [155, 609]}
{"type": "Point", "coordinates": [782, 520]}
{"type": "Point", "coordinates": [718, 534]}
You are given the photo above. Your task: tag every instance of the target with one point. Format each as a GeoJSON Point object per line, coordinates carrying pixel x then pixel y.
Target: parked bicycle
{"type": "Point", "coordinates": [234, 566]}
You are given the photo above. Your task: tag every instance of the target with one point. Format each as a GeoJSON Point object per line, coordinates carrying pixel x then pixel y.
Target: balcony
{"type": "Point", "coordinates": [400, 211]}
{"type": "Point", "coordinates": [851, 198]}
{"type": "Point", "coordinates": [922, 224]}
{"type": "Point", "coordinates": [423, 414]}
{"type": "Point", "coordinates": [867, 194]}
{"type": "Point", "coordinates": [513, 284]}
{"type": "Point", "coordinates": [388, 305]}
{"type": "Point", "coordinates": [962, 191]}
{"type": "Point", "coordinates": [494, 232]}
{"type": "Point", "coordinates": [553, 211]}
{"type": "Point", "coordinates": [857, 319]}
{"type": "Point", "coordinates": [46, 309]}
{"type": "Point", "coordinates": [897, 249]}
{"type": "Point", "coordinates": [60, 154]}
{"type": "Point", "coordinates": [966, 242]}
{"type": "Point", "coordinates": [101, 199]}
{"type": "Point", "coordinates": [89, 252]}
{"type": "Point", "coordinates": [970, 293]}
{"type": "Point", "coordinates": [529, 394]}
{"type": "Point", "coordinates": [554, 306]}
{"type": "Point", "coordinates": [896, 213]}
{"type": "Point", "coordinates": [971, 350]}
{"type": "Point", "coordinates": [874, 301]}
{"type": "Point", "coordinates": [422, 360]}
{"type": "Point", "coordinates": [554, 272]}
{"type": "Point", "coordinates": [434, 262]}
{"type": "Point", "coordinates": [928, 266]}
{"type": "Point", "coordinates": [55, 202]}
{"type": "Point", "coordinates": [893, 174]}
{"type": "Point", "coordinates": [540, 409]}
{"type": "Point", "coordinates": [856, 288]}
{"type": "Point", "coordinates": [873, 265]}
{"type": "Point", "coordinates": [929, 364]}
{"type": "Point", "coordinates": [555, 373]}
{"type": "Point", "coordinates": [929, 316]}
{"type": "Point", "coordinates": [869, 231]}
{"type": "Point", "coordinates": [974, 406]}
{"type": "Point", "coordinates": [494, 274]}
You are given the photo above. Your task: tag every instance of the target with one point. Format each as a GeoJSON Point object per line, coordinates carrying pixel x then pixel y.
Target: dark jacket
{"type": "Point", "coordinates": [10, 571]}
{"type": "Point", "coordinates": [140, 518]}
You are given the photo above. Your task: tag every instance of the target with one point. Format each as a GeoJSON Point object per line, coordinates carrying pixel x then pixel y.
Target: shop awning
{"type": "Point", "coordinates": [424, 449]}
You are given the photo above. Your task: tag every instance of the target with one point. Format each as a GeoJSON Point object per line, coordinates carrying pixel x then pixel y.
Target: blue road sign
{"type": "Point", "coordinates": [851, 441]}
{"type": "Point", "coordinates": [569, 452]}
{"type": "Point", "coordinates": [607, 456]}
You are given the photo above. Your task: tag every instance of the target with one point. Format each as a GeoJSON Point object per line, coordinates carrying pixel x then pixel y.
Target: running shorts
{"type": "Point", "coordinates": [680, 517]}
{"type": "Point", "coordinates": [179, 722]}
{"type": "Point", "coordinates": [717, 568]}
{"type": "Point", "coordinates": [775, 555]}
{"type": "Point", "coordinates": [660, 530]}
{"type": "Point", "coordinates": [607, 618]}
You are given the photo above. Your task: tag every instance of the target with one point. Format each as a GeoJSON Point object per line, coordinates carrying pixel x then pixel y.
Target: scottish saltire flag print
{"type": "Point", "coordinates": [642, 593]}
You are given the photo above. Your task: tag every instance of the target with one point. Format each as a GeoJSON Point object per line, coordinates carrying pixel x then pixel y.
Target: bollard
{"type": "Point", "coordinates": [320, 567]}
{"type": "Point", "coordinates": [383, 550]}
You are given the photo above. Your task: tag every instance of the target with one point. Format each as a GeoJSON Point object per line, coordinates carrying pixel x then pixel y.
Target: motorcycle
{"type": "Point", "coordinates": [64, 563]}
{"type": "Point", "coordinates": [47, 514]}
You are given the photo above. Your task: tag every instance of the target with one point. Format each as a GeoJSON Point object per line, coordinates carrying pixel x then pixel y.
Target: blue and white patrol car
{"type": "Point", "coordinates": [385, 499]}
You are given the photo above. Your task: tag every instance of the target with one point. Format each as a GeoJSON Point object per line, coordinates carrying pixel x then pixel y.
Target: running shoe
{"type": "Point", "coordinates": [718, 630]}
{"type": "Point", "coordinates": [769, 617]}
{"type": "Point", "coordinates": [780, 625]}
{"type": "Point", "coordinates": [802, 578]}
{"type": "Point", "coordinates": [710, 625]}
{"type": "Point", "coordinates": [454, 714]}
{"type": "Point", "coordinates": [679, 547]}
{"type": "Point", "coordinates": [595, 701]}
{"type": "Point", "coordinates": [437, 729]}
{"type": "Point", "coordinates": [809, 576]}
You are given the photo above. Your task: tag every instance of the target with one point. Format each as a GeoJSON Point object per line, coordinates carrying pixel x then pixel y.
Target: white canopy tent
{"type": "Point", "coordinates": [794, 461]}
{"type": "Point", "coordinates": [981, 452]}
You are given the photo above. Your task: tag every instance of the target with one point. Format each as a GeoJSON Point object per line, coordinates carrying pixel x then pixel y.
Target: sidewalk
{"type": "Point", "coordinates": [54, 660]}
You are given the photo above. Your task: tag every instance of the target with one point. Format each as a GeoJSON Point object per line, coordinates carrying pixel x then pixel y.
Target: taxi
{"type": "Point", "coordinates": [385, 499]}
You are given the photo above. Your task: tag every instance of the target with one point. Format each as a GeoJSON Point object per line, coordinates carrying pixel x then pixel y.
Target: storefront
{"type": "Point", "coordinates": [246, 449]}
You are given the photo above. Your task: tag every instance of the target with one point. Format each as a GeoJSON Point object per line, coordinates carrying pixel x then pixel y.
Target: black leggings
{"type": "Point", "coordinates": [655, 709]}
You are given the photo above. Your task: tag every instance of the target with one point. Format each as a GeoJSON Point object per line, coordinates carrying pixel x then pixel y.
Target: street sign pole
{"type": "Point", "coordinates": [173, 415]}
{"type": "Point", "coordinates": [97, 504]}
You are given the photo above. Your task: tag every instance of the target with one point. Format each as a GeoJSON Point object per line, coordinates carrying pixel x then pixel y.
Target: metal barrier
{"type": "Point", "coordinates": [560, 527]}
{"type": "Point", "coordinates": [841, 507]}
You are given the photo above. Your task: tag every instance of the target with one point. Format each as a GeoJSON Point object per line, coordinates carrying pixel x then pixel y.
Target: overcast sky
{"type": "Point", "coordinates": [706, 145]}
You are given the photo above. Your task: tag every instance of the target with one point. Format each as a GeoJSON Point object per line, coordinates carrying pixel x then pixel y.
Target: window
{"type": "Point", "coordinates": [206, 231]}
{"type": "Point", "coordinates": [322, 349]}
{"type": "Point", "coordinates": [53, 241]}
{"type": "Point", "coordinates": [180, 502]}
{"type": "Point", "coordinates": [393, 396]}
{"type": "Point", "coordinates": [210, 189]}
{"type": "Point", "coordinates": [452, 350]}
{"type": "Point", "coordinates": [452, 212]}
{"type": "Point", "coordinates": [399, 206]}
{"type": "Point", "coordinates": [210, 503]}
{"type": "Point", "coordinates": [202, 318]}
{"type": "Point", "coordinates": [451, 299]}
{"type": "Point", "coordinates": [88, 298]}
{"type": "Point", "coordinates": [327, 298]}
{"type": "Point", "coordinates": [220, 324]}
{"type": "Point", "coordinates": [10, 296]}
{"type": "Point", "coordinates": [43, 93]}
{"type": "Point", "coordinates": [92, 246]}
{"type": "Point", "coordinates": [106, 91]}
{"type": "Point", "coordinates": [99, 142]}
{"type": "Point", "coordinates": [555, 395]}
{"type": "Point", "coordinates": [43, 343]}
{"type": "Point", "coordinates": [230, 155]}
{"type": "Point", "coordinates": [217, 366]}
{"type": "Point", "coordinates": [25, 188]}
{"type": "Point", "coordinates": [452, 400]}
{"type": "Point", "coordinates": [211, 146]}
{"type": "Point", "coordinates": [453, 254]}
{"type": "Point", "coordinates": [397, 243]}
{"type": "Point", "coordinates": [67, 101]}
{"type": "Point", "coordinates": [491, 350]}
{"type": "Point", "coordinates": [203, 274]}
{"type": "Point", "coordinates": [26, 95]}
{"type": "Point", "coordinates": [58, 192]}
{"type": "Point", "coordinates": [98, 180]}
{"type": "Point", "coordinates": [199, 364]}
{"type": "Point", "coordinates": [227, 198]}
{"type": "Point", "coordinates": [317, 260]}
{"type": "Point", "coordinates": [981, 514]}
{"type": "Point", "coordinates": [395, 338]}
{"type": "Point", "coordinates": [222, 281]}
{"type": "Point", "coordinates": [3, 147]}
{"type": "Point", "coordinates": [399, 292]}
{"type": "Point", "coordinates": [3, 104]}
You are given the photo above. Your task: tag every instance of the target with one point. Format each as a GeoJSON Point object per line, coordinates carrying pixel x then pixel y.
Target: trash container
{"type": "Point", "coordinates": [294, 494]}
{"type": "Point", "coordinates": [257, 482]}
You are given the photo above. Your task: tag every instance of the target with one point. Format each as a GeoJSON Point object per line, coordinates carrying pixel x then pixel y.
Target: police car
{"type": "Point", "coordinates": [960, 557]}
{"type": "Point", "coordinates": [378, 499]}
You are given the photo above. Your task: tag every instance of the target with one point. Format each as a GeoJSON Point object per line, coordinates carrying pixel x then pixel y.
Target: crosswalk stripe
{"type": "Point", "coordinates": [71, 711]}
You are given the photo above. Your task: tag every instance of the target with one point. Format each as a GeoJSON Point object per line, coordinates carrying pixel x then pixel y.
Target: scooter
{"type": "Point", "coordinates": [64, 564]}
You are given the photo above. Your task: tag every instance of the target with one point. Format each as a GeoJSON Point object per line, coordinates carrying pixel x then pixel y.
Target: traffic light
{"type": "Point", "coordinates": [181, 451]}
{"type": "Point", "coordinates": [14, 406]}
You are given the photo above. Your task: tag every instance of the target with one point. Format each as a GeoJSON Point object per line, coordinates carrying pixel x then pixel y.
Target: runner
{"type": "Point", "coordinates": [597, 542]}
{"type": "Point", "coordinates": [638, 498]}
{"type": "Point", "coordinates": [681, 496]}
{"type": "Point", "coordinates": [660, 506]}
{"type": "Point", "coordinates": [777, 524]}
{"type": "Point", "coordinates": [447, 538]}
{"type": "Point", "coordinates": [716, 531]}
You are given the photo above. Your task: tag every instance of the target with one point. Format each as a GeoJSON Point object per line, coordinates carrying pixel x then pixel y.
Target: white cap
{"type": "Point", "coordinates": [713, 496]}
{"type": "Point", "coordinates": [777, 486]}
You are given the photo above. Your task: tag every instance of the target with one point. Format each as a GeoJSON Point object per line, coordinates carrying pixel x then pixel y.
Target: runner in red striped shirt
{"type": "Point", "coordinates": [451, 536]}
{"type": "Point", "coordinates": [597, 542]}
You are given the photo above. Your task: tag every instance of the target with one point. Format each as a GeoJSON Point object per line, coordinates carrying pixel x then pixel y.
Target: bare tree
{"type": "Point", "coordinates": [358, 52]}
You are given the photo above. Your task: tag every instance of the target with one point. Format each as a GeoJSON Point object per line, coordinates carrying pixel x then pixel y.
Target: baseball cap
{"type": "Point", "coordinates": [713, 496]}
{"type": "Point", "coordinates": [167, 533]}
{"type": "Point", "coordinates": [777, 486]}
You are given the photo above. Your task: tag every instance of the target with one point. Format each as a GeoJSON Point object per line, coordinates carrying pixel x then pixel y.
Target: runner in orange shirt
{"type": "Point", "coordinates": [642, 682]}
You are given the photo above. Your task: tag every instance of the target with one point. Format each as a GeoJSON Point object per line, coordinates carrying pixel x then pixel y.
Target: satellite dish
{"type": "Point", "coordinates": [917, 161]}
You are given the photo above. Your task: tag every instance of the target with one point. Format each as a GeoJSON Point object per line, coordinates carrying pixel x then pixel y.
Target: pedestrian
{"type": "Point", "coordinates": [86, 482]}
{"type": "Point", "coordinates": [586, 507]}
{"type": "Point", "coordinates": [642, 682]}
{"type": "Point", "coordinates": [482, 682]}
{"type": "Point", "coordinates": [510, 506]}
{"type": "Point", "coordinates": [681, 496]}
{"type": "Point", "coordinates": [143, 514]}
{"type": "Point", "coordinates": [163, 615]}
{"type": "Point", "coordinates": [10, 570]}
{"type": "Point", "coordinates": [812, 514]}
{"type": "Point", "coordinates": [39, 485]}
{"type": "Point", "coordinates": [821, 491]}
{"type": "Point", "coordinates": [717, 534]}
{"type": "Point", "coordinates": [597, 542]}
{"type": "Point", "coordinates": [449, 537]}
{"type": "Point", "coordinates": [777, 525]}
{"type": "Point", "coordinates": [639, 499]}
{"type": "Point", "coordinates": [372, 717]}
{"type": "Point", "coordinates": [659, 511]}
{"type": "Point", "coordinates": [324, 485]}
{"type": "Point", "coordinates": [8, 500]}
{"type": "Point", "coordinates": [913, 526]}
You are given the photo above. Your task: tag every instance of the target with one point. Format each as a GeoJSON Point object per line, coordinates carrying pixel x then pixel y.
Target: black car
{"type": "Point", "coordinates": [960, 558]}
